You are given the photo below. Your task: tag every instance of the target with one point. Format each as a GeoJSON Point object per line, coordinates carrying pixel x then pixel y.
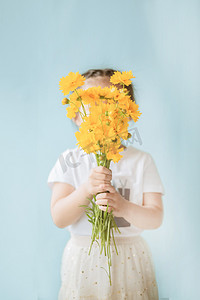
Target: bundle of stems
{"type": "Point", "coordinates": [102, 224]}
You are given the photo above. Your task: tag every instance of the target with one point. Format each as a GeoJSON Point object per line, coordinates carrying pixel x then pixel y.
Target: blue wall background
{"type": "Point", "coordinates": [41, 41]}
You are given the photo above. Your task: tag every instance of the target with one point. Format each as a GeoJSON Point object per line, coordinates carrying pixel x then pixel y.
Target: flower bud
{"type": "Point", "coordinates": [65, 101]}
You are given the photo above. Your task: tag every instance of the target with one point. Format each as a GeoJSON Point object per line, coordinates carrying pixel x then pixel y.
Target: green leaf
{"type": "Point", "coordinates": [90, 217]}
{"type": "Point", "coordinates": [91, 221]}
{"type": "Point", "coordinates": [83, 206]}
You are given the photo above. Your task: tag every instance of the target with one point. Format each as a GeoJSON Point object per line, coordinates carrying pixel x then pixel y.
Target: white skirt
{"type": "Point", "coordinates": [132, 270]}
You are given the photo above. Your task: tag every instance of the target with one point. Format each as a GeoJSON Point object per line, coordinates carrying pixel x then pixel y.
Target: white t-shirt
{"type": "Point", "coordinates": [134, 174]}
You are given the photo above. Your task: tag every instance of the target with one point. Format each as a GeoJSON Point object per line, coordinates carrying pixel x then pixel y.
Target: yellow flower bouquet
{"type": "Point", "coordinates": [100, 133]}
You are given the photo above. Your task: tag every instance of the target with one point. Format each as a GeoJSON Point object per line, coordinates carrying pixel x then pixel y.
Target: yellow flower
{"type": "Point", "coordinates": [86, 139]}
{"type": "Point", "coordinates": [65, 101]}
{"type": "Point", "coordinates": [90, 96]}
{"type": "Point", "coordinates": [72, 109]}
{"type": "Point", "coordinates": [115, 93]}
{"type": "Point", "coordinates": [113, 153]}
{"type": "Point", "coordinates": [71, 82]}
{"type": "Point", "coordinates": [132, 110]}
{"type": "Point", "coordinates": [105, 92]}
{"type": "Point", "coordinates": [122, 77]}
{"type": "Point", "coordinates": [75, 95]}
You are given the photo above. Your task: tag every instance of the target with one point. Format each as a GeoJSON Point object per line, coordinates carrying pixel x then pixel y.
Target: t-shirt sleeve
{"type": "Point", "coordinates": [151, 178]}
{"type": "Point", "coordinates": [60, 173]}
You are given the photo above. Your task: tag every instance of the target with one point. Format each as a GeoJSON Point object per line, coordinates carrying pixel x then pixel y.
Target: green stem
{"type": "Point", "coordinates": [101, 121]}
{"type": "Point", "coordinates": [78, 108]}
{"type": "Point", "coordinates": [81, 103]}
{"type": "Point", "coordinates": [102, 225]}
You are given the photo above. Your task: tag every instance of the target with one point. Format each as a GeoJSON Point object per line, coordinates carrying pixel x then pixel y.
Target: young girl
{"type": "Point", "coordinates": [136, 200]}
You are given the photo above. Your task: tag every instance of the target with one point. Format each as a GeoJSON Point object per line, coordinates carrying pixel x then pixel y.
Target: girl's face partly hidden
{"type": "Point", "coordinates": [91, 82]}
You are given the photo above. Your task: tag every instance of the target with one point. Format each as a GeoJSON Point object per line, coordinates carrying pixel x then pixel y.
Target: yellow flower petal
{"type": "Point", "coordinates": [71, 82]}
{"type": "Point", "coordinates": [122, 77]}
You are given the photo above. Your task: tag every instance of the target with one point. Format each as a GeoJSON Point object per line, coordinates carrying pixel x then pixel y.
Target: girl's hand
{"type": "Point", "coordinates": [99, 180]}
{"type": "Point", "coordinates": [115, 201]}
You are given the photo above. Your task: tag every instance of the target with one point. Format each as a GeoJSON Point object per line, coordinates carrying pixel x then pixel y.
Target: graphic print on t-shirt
{"type": "Point", "coordinates": [122, 185]}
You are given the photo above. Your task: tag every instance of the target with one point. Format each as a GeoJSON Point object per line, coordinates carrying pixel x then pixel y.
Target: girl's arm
{"type": "Point", "coordinates": [147, 216]}
{"type": "Point", "coordinates": [66, 199]}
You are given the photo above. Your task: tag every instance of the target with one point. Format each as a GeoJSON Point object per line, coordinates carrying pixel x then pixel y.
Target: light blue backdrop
{"type": "Point", "coordinates": [41, 41]}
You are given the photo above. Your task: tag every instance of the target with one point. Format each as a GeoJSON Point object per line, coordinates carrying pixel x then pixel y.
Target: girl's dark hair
{"type": "Point", "coordinates": [108, 73]}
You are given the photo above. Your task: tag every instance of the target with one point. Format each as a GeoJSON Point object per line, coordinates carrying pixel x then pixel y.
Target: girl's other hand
{"type": "Point", "coordinates": [99, 180]}
{"type": "Point", "coordinates": [116, 203]}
